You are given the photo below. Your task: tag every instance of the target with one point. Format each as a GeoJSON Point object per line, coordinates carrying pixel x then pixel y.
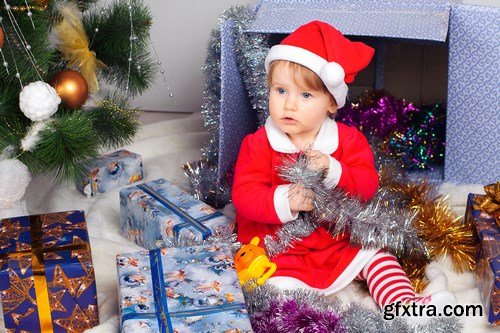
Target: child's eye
{"type": "Point", "coordinates": [306, 95]}
{"type": "Point", "coordinates": [281, 91]}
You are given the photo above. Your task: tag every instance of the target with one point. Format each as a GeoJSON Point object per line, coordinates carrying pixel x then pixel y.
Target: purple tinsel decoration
{"type": "Point", "coordinates": [378, 113]}
{"type": "Point", "coordinates": [289, 316]}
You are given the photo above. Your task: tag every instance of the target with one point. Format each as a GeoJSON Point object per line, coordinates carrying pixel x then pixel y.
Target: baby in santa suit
{"type": "Point", "coordinates": [308, 74]}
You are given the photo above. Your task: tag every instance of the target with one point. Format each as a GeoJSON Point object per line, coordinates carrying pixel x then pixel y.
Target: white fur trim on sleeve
{"type": "Point", "coordinates": [334, 172]}
{"type": "Point", "coordinates": [282, 205]}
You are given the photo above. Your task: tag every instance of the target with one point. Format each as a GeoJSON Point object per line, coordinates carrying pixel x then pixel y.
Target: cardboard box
{"type": "Point", "coordinates": [472, 152]}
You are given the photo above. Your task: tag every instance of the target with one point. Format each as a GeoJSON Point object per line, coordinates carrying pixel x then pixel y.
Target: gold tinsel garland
{"type": "Point", "coordinates": [442, 230]}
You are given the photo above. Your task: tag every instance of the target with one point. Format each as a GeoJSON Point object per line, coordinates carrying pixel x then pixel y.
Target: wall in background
{"type": "Point", "coordinates": [181, 31]}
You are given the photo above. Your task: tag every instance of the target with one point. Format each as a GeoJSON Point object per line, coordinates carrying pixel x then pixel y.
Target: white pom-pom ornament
{"type": "Point", "coordinates": [38, 101]}
{"type": "Point", "coordinates": [14, 179]}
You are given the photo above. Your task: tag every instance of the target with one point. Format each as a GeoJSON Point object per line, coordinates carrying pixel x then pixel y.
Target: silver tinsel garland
{"type": "Point", "coordinates": [381, 223]}
{"type": "Point", "coordinates": [202, 175]}
{"type": "Point", "coordinates": [354, 318]}
{"type": "Point", "coordinates": [250, 51]}
{"type": "Point", "coordinates": [188, 241]}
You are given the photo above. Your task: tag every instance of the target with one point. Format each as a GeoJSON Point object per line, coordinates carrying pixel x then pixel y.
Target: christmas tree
{"type": "Point", "coordinates": [59, 60]}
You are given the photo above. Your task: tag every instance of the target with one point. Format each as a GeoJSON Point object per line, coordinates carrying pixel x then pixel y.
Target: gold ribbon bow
{"type": "Point", "coordinates": [490, 203]}
{"type": "Point", "coordinates": [73, 43]}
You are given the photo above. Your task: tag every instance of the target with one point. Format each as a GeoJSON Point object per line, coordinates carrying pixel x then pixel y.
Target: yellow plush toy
{"type": "Point", "coordinates": [251, 262]}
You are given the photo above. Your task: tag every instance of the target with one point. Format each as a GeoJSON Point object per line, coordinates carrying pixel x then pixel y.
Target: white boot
{"type": "Point", "coordinates": [421, 309]}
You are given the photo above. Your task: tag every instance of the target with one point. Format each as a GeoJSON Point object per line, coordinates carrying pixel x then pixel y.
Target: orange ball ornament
{"type": "Point", "coordinates": [71, 87]}
{"type": "Point", "coordinates": [1, 37]}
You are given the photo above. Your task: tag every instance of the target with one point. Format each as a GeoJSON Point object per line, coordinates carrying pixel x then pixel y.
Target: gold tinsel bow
{"type": "Point", "coordinates": [73, 43]}
{"type": "Point", "coordinates": [491, 202]}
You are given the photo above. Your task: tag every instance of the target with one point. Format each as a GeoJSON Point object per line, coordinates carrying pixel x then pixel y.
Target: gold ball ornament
{"type": "Point", "coordinates": [71, 87]}
{"type": "Point", "coordinates": [1, 37]}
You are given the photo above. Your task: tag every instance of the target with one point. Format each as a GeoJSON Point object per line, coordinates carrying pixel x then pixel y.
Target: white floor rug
{"type": "Point", "coordinates": [165, 147]}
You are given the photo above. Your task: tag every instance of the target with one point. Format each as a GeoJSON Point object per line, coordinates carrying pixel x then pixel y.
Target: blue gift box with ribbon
{"type": "Point", "coordinates": [184, 289]}
{"type": "Point", "coordinates": [153, 213]}
{"type": "Point", "coordinates": [488, 257]}
{"type": "Point", "coordinates": [47, 280]}
{"type": "Point", "coordinates": [111, 170]}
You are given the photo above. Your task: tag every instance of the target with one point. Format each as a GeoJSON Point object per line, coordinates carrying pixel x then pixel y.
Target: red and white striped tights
{"type": "Point", "coordinates": [386, 280]}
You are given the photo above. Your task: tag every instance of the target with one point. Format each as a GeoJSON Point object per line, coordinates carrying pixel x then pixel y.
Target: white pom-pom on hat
{"type": "Point", "coordinates": [332, 74]}
{"type": "Point", "coordinates": [38, 101]}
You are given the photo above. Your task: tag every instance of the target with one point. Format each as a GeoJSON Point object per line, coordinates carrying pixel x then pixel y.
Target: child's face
{"type": "Point", "coordinates": [295, 109]}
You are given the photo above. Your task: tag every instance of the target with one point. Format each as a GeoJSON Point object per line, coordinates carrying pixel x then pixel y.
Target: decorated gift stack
{"type": "Point", "coordinates": [155, 213]}
{"type": "Point", "coordinates": [47, 278]}
{"type": "Point", "coordinates": [483, 212]}
{"type": "Point", "coordinates": [184, 289]}
{"type": "Point", "coordinates": [111, 170]}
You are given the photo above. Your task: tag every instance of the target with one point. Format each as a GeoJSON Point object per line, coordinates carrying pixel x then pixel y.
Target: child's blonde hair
{"type": "Point", "coordinates": [302, 76]}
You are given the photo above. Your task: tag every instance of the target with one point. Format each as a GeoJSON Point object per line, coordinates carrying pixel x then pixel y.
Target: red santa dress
{"type": "Point", "coordinates": [319, 262]}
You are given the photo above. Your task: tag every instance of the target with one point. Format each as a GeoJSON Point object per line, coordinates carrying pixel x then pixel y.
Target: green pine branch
{"type": "Point", "coordinates": [66, 147]}
{"type": "Point", "coordinates": [114, 34]}
{"type": "Point", "coordinates": [14, 52]}
{"type": "Point", "coordinates": [114, 122]}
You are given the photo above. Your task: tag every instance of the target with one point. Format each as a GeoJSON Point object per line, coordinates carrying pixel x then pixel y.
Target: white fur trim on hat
{"type": "Point", "coordinates": [331, 73]}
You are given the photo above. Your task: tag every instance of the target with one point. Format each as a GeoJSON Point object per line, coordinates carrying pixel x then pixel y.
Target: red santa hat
{"type": "Point", "coordinates": [324, 50]}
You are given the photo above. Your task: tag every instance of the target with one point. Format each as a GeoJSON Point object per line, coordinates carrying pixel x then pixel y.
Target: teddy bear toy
{"type": "Point", "coordinates": [251, 262]}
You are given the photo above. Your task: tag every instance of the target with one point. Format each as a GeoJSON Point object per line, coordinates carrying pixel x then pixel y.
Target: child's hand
{"type": "Point", "coordinates": [317, 160]}
{"type": "Point", "coordinates": [300, 198]}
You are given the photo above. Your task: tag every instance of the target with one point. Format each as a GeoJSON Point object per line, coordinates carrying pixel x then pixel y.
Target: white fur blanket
{"type": "Point", "coordinates": [165, 147]}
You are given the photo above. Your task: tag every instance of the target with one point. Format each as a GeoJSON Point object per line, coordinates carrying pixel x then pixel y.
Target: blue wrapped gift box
{"type": "Point", "coordinates": [488, 258]}
{"type": "Point", "coordinates": [185, 289]}
{"type": "Point", "coordinates": [111, 170]}
{"type": "Point", "coordinates": [46, 273]}
{"type": "Point", "coordinates": [472, 153]}
{"type": "Point", "coordinates": [157, 211]}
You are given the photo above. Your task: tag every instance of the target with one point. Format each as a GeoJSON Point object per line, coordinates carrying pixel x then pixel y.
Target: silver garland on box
{"type": "Point", "coordinates": [183, 241]}
{"type": "Point", "coordinates": [250, 51]}
{"type": "Point", "coordinates": [202, 176]}
{"type": "Point", "coordinates": [381, 223]}
{"type": "Point", "coordinates": [353, 318]}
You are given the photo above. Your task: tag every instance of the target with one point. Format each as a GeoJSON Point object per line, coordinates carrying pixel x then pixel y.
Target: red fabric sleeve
{"type": "Point", "coordinates": [359, 176]}
{"type": "Point", "coordinates": [253, 192]}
